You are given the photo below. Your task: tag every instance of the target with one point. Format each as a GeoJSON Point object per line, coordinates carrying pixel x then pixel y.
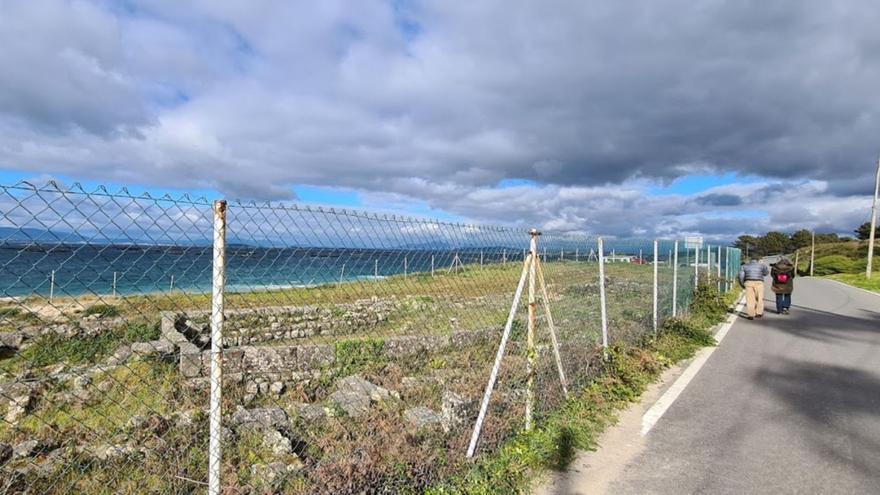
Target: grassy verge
{"type": "Point", "coordinates": [579, 422]}
{"type": "Point", "coordinates": [859, 280]}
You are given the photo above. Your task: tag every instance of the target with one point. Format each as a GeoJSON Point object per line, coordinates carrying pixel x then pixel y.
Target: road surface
{"type": "Point", "coordinates": [786, 404]}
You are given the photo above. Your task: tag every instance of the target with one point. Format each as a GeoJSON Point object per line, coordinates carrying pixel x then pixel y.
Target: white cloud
{"type": "Point", "coordinates": [435, 102]}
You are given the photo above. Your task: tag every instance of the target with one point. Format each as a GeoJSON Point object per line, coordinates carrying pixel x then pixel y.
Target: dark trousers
{"type": "Point", "coordinates": [783, 301]}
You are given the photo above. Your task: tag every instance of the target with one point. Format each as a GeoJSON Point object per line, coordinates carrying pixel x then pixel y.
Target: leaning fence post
{"type": "Point", "coordinates": [218, 286]}
{"type": "Point", "coordinates": [655, 285]}
{"type": "Point", "coordinates": [675, 280]}
{"type": "Point", "coordinates": [602, 293]}
{"type": "Point", "coordinates": [530, 336]}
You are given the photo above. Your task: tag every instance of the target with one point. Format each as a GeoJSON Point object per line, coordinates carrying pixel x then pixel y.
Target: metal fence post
{"type": "Point", "coordinates": [114, 284]}
{"type": "Point", "coordinates": [718, 268]}
{"type": "Point", "coordinates": [602, 310]}
{"type": "Point", "coordinates": [675, 280]}
{"type": "Point", "coordinates": [530, 336]}
{"type": "Point", "coordinates": [696, 268]}
{"type": "Point", "coordinates": [218, 285]}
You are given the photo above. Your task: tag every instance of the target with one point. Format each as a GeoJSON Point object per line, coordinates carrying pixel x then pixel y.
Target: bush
{"type": "Point", "coordinates": [829, 265]}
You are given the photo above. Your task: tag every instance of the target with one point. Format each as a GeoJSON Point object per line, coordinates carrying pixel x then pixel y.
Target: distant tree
{"type": "Point", "coordinates": [827, 238]}
{"type": "Point", "coordinates": [864, 230]}
{"type": "Point", "coordinates": [774, 243]}
{"type": "Point", "coordinates": [801, 238]}
{"type": "Point", "coordinates": [747, 243]}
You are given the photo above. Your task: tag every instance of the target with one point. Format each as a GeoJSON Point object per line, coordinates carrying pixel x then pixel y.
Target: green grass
{"type": "Point", "coordinates": [81, 349]}
{"type": "Point", "coordinates": [860, 280]}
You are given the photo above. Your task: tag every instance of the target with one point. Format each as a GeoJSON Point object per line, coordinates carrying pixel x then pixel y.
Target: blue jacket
{"type": "Point", "coordinates": [753, 271]}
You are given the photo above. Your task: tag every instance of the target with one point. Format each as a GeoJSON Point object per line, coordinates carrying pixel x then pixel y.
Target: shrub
{"type": "Point", "coordinates": [829, 265]}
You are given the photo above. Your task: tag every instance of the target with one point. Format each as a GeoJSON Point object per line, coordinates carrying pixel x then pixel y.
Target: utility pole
{"type": "Point", "coordinates": [873, 223]}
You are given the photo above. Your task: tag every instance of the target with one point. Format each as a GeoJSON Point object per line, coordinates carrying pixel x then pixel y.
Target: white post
{"type": "Point", "coordinates": [404, 266]}
{"type": "Point", "coordinates": [432, 265]}
{"type": "Point", "coordinates": [562, 255]}
{"type": "Point", "coordinates": [656, 282]}
{"type": "Point", "coordinates": [640, 256]}
{"type": "Point", "coordinates": [481, 259]}
{"type": "Point", "coordinates": [52, 286]}
{"type": "Point", "coordinates": [219, 284]}
{"type": "Point", "coordinates": [708, 263]}
{"type": "Point", "coordinates": [696, 267]}
{"type": "Point", "coordinates": [545, 254]}
{"type": "Point", "coordinates": [812, 253]}
{"type": "Point", "coordinates": [530, 335]}
{"type": "Point", "coordinates": [675, 280]}
{"type": "Point", "coordinates": [376, 269]}
{"type": "Point", "coordinates": [602, 293]}
{"type": "Point", "coordinates": [718, 268]}
{"type": "Point", "coordinates": [171, 287]}
{"type": "Point", "coordinates": [577, 254]}
{"type": "Point", "coordinates": [487, 394]}
{"type": "Point", "coordinates": [114, 284]}
{"type": "Point", "coordinates": [870, 265]}
{"type": "Point", "coordinates": [342, 274]}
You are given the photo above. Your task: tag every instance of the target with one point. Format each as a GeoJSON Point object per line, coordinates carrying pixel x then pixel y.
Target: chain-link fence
{"type": "Point", "coordinates": [168, 345]}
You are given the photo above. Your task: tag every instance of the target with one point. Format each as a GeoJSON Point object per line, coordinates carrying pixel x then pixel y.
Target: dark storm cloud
{"type": "Point", "coordinates": [719, 200]}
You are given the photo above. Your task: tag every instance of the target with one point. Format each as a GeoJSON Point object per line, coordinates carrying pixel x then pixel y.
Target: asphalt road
{"type": "Point", "coordinates": [786, 404]}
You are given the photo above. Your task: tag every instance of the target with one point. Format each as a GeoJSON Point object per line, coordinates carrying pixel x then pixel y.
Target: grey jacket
{"type": "Point", "coordinates": [753, 271]}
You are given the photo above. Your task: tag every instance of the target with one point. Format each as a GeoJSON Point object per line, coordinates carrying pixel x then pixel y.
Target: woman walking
{"type": "Point", "coordinates": [783, 273]}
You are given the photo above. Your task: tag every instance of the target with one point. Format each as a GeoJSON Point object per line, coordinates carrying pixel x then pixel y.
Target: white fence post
{"type": "Point", "coordinates": [52, 286]}
{"type": "Point", "coordinates": [404, 266]}
{"type": "Point", "coordinates": [530, 335]}
{"type": "Point", "coordinates": [376, 269]}
{"type": "Point", "coordinates": [655, 285]}
{"type": "Point", "coordinates": [114, 284]}
{"type": "Point", "coordinates": [218, 286]}
{"type": "Point", "coordinates": [675, 280]}
{"type": "Point", "coordinates": [432, 265]}
{"type": "Point", "coordinates": [602, 293]}
{"type": "Point", "coordinates": [718, 268]}
{"type": "Point", "coordinates": [696, 268]}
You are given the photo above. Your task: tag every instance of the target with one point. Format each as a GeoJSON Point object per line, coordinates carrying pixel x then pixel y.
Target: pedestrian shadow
{"type": "Point", "coordinates": [841, 403]}
{"type": "Point", "coordinates": [825, 326]}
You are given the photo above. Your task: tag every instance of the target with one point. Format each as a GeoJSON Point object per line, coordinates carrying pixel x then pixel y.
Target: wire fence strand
{"type": "Point", "coordinates": [354, 348]}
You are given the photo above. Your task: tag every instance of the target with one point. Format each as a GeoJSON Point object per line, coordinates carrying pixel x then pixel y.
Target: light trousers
{"type": "Point", "coordinates": [754, 297]}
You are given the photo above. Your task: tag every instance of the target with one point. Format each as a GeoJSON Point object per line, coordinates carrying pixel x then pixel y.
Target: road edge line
{"type": "Point", "coordinates": [650, 418]}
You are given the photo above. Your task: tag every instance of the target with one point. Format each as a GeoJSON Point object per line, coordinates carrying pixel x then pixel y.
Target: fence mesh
{"type": "Point", "coordinates": [356, 347]}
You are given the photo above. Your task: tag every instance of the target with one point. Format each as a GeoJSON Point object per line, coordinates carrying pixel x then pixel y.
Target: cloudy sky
{"type": "Point", "coordinates": [632, 117]}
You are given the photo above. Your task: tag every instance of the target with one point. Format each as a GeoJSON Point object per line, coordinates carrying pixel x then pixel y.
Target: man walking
{"type": "Point", "coordinates": [751, 278]}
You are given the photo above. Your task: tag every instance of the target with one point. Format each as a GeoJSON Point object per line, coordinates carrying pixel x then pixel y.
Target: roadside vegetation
{"type": "Point", "coordinates": [577, 424]}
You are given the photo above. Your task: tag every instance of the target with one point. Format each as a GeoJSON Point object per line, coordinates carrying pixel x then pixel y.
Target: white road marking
{"type": "Point", "coordinates": [668, 398]}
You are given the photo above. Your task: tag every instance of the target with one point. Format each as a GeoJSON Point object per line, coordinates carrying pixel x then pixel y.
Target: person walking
{"type": "Point", "coordinates": [751, 278]}
{"type": "Point", "coordinates": [783, 273]}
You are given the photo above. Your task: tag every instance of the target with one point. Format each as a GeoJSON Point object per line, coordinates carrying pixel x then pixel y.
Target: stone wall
{"type": "Point", "coordinates": [254, 326]}
{"type": "Point", "coordinates": [294, 360]}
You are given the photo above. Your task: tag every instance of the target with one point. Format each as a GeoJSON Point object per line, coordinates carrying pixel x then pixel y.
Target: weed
{"type": "Point", "coordinates": [103, 310]}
